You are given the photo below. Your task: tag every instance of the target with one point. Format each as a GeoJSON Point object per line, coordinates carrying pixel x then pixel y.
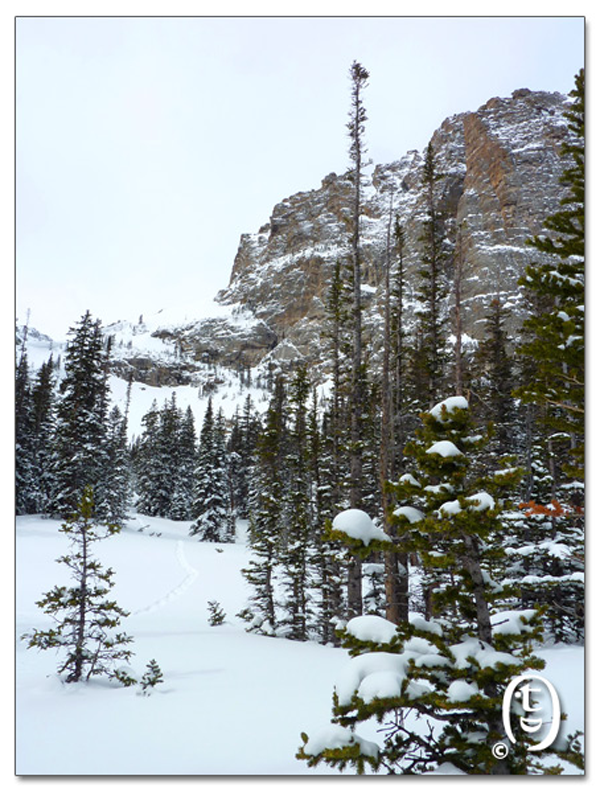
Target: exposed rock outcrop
{"type": "Point", "coordinates": [500, 169]}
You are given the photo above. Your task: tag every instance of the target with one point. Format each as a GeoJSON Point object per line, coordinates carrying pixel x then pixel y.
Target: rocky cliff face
{"type": "Point", "coordinates": [500, 170]}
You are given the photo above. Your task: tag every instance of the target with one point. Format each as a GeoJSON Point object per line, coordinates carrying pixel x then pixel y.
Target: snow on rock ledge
{"type": "Point", "coordinates": [358, 525]}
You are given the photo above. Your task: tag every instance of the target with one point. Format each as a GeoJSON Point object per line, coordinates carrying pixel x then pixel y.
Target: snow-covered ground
{"type": "Point", "coordinates": [231, 704]}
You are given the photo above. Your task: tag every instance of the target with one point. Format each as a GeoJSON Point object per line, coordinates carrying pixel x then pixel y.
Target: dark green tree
{"type": "Point", "coordinates": [115, 486]}
{"type": "Point", "coordinates": [496, 380]}
{"type": "Point", "coordinates": [212, 515]}
{"type": "Point", "coordinates": [453, 667]}
{"type": "Point", "coordinates": [86, 621]}
{"type": "Point", "coordinates": [153, 676]}
{"type": "Point", "coordinates": [147, 465]}
{"type": "Point", "coordinates": [430, 356]}
{"type": "Point", "coordinates": [555, 337]}
{"type": "Point", "coordinates": [298, 516]}
{"type": "Point", "coordinates": [266, 527]}
{"type": "Point", "coordinates": [24, 457]}
{"type": "Point", "coordinates": [186, 460]}
{"type": "Point", "coordinates": [81, 450]}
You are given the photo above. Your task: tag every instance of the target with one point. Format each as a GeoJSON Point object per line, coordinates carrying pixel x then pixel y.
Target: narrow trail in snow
{"type": "Point", "coordinates": [190, 577]}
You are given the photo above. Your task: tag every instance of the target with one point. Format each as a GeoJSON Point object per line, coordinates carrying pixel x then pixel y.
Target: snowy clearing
{"type": "Point", "coordinates": [231, 704]}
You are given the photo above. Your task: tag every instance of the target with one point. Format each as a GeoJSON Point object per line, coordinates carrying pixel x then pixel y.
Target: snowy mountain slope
{"type": "Point", "coordinates": [231, 703]}
{"type": "Point", "coordinates": [500, 168]}
{"type": "Point", "coordinates": [148, 345]}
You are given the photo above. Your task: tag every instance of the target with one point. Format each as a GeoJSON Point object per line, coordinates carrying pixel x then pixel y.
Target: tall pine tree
{"type": "Point", "coordinates": [81, 426]}
{"type": "Point", "coordinates": [556, 336]}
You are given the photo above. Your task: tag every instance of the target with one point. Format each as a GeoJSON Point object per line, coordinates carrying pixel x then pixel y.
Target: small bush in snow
{"type": "Point", "coordinates": [152, 677]}
{"type": "Point", "coordinates": [216, 614]}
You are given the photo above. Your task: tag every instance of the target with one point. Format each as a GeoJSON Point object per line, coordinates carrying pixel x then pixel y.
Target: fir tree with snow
{"type": "Point", "coordinates": [85, 619]}
{"type": "Point", "coordinates": [114, 491]}
{"type": "Point", "coordinates": [35, 412]}
{"type": "Point", "coordinates": [146, 463]}
{"type": "Point", "coordinates": [185, 469]}
{"type": "Point", "coordinates": [453, 666]}
{"type": "Point", "coordinates": [81, 425]}
{"type": "Point", "coordinates": [24, 458]}
{"type": "Point", "coordinates": [211, 507]}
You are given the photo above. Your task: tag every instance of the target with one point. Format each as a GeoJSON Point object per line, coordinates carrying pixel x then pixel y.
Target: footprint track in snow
{"type": "Point", "coordinates": [174, 593]}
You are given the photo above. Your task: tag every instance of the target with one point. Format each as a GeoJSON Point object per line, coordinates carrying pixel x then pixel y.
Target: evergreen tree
{"type": "Point", "coordinates": [266, 528]}
{"type": "Point", "coordinates": [556, 336]}
{"type": "Point", "coordinates": [336, 430]}
{"type": "Point", "coordinates": [34, 435]}
{"type": "Point", "coordinates": [496, 380]}
{"type": "Point", "coordinates": [216, 614]}
{"type": "Point", "coordinates": [298, 516]}
{"type": "Point", "coordinates": [167, 456]}
{"type": "Point", "coordinates": [212, 519]}
{"type": "Point", "coordinates": [153, 676]}
{"type": "Point", "coordinates": [429, 357]}
{"type": "Point", "coordinates": [24, 455]}
{"type": "Point", "coordinates": [147, 464]}
{"type": "Point", "coordinates": [399, 353]}
{"type": "Point", "coordinates": [43, 417]}
{"type": "Point", "coordinates": [164, 461]}
{"type": "Point", "coordinates": [184, 473]}
{"type": "Point", "coordinates": [545, 545]}
{"type": "Point", "coordinates": [81, 451]}
{"type": "Point", "coordinates": [554, 394]}
{"type": "Point", "coordinates": [327, 561]}
{"type": "Point", "coordinates": [115, 482]}
{"type": "Point", "coordinates": [453, 667]}
{"type": "Point", "coordinates": [85, 618]}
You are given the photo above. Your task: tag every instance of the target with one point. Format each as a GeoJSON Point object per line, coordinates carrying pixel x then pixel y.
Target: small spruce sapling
{"type": "Point", "coordinates": [216, 614]}
{"type": "Point", "coordinates": [152, 677]}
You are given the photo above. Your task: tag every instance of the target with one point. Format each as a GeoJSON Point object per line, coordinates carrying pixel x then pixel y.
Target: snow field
{"type": "Point", "coordinates": [232, 704]}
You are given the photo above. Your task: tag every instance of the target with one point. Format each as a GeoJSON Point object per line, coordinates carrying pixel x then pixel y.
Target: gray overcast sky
{"type": "Point", "coordinates": [146, 146]}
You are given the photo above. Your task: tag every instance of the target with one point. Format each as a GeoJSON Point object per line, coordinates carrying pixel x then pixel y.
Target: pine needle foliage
{"type": "Point", "coordinates": [86, 621]}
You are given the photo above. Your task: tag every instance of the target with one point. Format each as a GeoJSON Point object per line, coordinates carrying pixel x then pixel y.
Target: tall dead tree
{"type": "Point", "coordinates": [356, 130]}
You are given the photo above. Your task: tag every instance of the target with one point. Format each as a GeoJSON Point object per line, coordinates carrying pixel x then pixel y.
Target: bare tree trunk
{"type": "Point", "coordinates": [458, 361]}
{"type": "Point", "coordinates": [393, 584]}
{"type": "Point", "coordinates": [359, 77]}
